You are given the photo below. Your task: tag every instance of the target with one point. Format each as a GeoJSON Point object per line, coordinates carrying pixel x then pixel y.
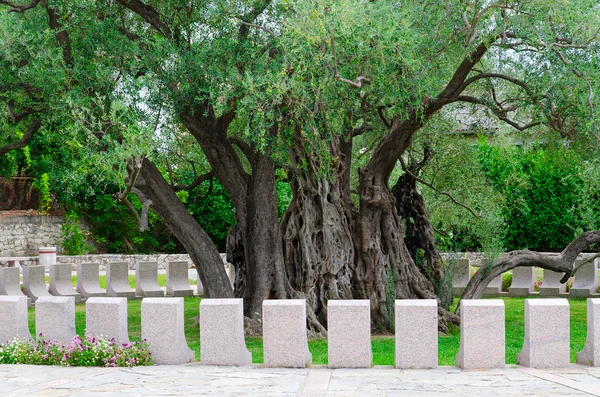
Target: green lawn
{"type": "Point", "coordinates": [383, 346]}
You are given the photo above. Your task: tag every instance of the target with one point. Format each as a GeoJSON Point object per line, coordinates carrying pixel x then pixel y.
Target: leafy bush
{"type": "Point", "coordinates": [506, 281]}
{"type": "Point", "coordinates": [73, 241]}
{"type": "Point", "coordinates": [89, 352]}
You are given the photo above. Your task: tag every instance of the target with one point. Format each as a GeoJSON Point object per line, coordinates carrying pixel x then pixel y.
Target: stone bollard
{"type": "Point", "coordinates": [10, 282]}
{"type": "Point", "coordinates": [222, 333]}
{"type": "Point", "coordinates": [177, 279]}
{"type": "Point", "coordinates": [416, 333]}
{"type": "Point", "coordinates": [61, 283]}
{"type": "Point", "coordinates": [88, 284]}
{"type": "Point", "coordinates": [590, 355]}
{"type": "Point", "coordinates": [163, 329]}
{"type": "Point", "coordinates": [523, 280]}
{"type": "Point", "coordinates": [34, 282]}
{"type": "Point", "coordinates": [462, 274]}
{"type": "Point", "coordinates": [547, 334]}
{"type": "Point", "coordinates": [107, 317]}
{"type": "Point", "coordinates": [551, 285]}
{"type": "Point", "coordinates": [13, 318]}
{"type": "Point", "coordinates": [349, 334]}
{"type": "Point", "coordinates": [482, 334]}
{"type": "Point", "coordinates": [586, 280]}
{"type": "Point", "coordinates": [47, 257]}
{"type": "Point", "coordinates": [146, 280]}
{"type": "Point", "coordinates": [55, 318]}
{"type": "Point", "coordinates": [284, 333]}
{"type": "Point", "coordinates": [117, 280]}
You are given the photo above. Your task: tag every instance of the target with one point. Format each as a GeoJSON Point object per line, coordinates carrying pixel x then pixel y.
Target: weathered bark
{"type": "Point", "coordinates": [419, 237]}
{"type": "Point", "coordinates": [182, 224]}
{"type": "Point", "coordinates": [254, 196]}
{"type": "Point", "coordinates": [317, 241]}
{"type": "Point", "coordinates": [561, 263]}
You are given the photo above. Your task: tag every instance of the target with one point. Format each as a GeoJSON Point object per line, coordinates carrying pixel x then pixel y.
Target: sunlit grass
{"type": "Point", "coordinates": [383, 346]}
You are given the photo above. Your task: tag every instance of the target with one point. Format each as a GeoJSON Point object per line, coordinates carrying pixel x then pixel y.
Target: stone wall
{"type": "Point", "coordinates": [23, 235]}
{"type": "Point", "coordinates": [104, 259]}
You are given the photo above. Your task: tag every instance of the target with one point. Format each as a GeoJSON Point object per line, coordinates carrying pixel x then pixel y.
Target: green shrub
{"type": "Point", "coordinates": [73, 241]}
{"type": "Point", "coordinates": [506, 281]}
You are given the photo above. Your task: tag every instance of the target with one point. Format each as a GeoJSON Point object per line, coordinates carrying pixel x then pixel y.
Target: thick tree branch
{"type": "Point", "coordinates": [561, 263]}
{"type": "Point", "coordinates": [148, 14]}
{"type": "Point", "coordinates": [24, 141]}
{"type": "Point", "coordinates": [19, 8]}
{"type": "Point", "coordinates": [197, 181]}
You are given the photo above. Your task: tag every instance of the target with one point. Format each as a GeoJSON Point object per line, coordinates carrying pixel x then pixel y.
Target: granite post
{"type": "Point", "coordinates": [284, 333]}
{"type": "Point", "coordinates": [349, 334]}
{"type": "Point", "coordinates": [547, 334]}
{"type": "Point", "coordinates": [482, 333]}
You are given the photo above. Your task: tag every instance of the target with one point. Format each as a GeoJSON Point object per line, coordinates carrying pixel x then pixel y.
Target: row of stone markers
{"type": "Point", "coordinates": [88, 286]}
{"type": "Point", "coordinates": [523, 281]}
{"type": "Point", "coordinates": [482, 337]}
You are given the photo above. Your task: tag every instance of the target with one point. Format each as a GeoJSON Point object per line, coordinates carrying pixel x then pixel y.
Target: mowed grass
{"type": "Point", "coordinates": [383, 346]}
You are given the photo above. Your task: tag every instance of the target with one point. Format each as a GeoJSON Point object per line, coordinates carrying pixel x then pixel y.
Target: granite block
{"type": "Point", "coordinates": [523, 279]}
{"type": "Point", "coordinates": [586, 280]}
{"type": "Point", "coordinates": [590, 355]}
{"type": "Point", "coordinates": [551, 285]}
{"type": "Point", "coordinates": [547, 334]}
{"type": "Point", "coordinates": [222, 333]}
{"type": "Point", "coordinates": [88, 280]}
{"type": "Point", "coordinates": [482, 334]}
{"type": "Point", "coordinates": [349, 334]}
{"type": "Point", "coordinates": [416, 331]}
{"type": "Point", "coordinates": [55, 318]}
{"type": "Point", "coordinates": [10, 281]}
{"type": "Point", "coordinates": [146, 280]}
{"type": "Point", "coordinates": [61, 281]}
{"type": "Point", "coordinates": [107, 317]}
{"type": "Point", "coordinates": [13, 318]}
{"type": "Point", "coordinates": [177, 279]}
{"type": "Point", "coordinates": [462, 274]}
{"type": "Point", "coordinates": [117, 280]}
{"type": "Point", "coordinates": [34, 282]}
{"type": "Point", "coordinates": [284, 333]}
{"type": "Point", "coordinates": [163, 329]}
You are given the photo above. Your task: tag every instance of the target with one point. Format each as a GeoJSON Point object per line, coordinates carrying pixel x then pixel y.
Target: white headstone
{"type": "Point", "coordinates": [61, 283]}
{"type": "Point", "coordinates": [551, 285]}
{"type": "Point", "coordinates": [34, 282]}
{"type": "Point", "coordinates": [177, 279]}
{"type": "Point", "coordinates": [88, 280]}
{"type": "Point", "coordinates": [146, 280]}
{"type": "Point", "coordinates": [586, 280]}
{"type": "Point", "coordinates": [107, 317]}
{"type": "Point", "coordinates": [523, 280]}
{"type": "Point", "coordinates": [13, 318]}
{"type": "Point", "coordinates": [117, 280]}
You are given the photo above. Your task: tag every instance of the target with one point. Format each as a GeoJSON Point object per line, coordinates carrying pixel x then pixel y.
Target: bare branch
{"type": "Point", "coordinates": [253, 25]}
{"type": "Point", "coordinates": [358, 82]}
{"type": "Point", "coordinates": [498, 112]}
{"type": "Point", "coordinates": [437, 190]}
{"type": "Point", "coordinates": [197, 181]}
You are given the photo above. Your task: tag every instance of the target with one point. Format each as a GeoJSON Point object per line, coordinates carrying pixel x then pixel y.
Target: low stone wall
{"type": "Point", "coordinates": [477, 258]}
{"type": "Point", "coordinates": [132, 260]}
{"type": "Point", "coordinates": [23, 235]}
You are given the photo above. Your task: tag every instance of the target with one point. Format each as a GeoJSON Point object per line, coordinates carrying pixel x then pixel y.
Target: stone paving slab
{"type": "Point", "coordinates": [254, 380]}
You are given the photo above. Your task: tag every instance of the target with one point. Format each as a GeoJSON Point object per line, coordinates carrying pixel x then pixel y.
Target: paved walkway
{"type": "Point", "coordinates": [197, 380]}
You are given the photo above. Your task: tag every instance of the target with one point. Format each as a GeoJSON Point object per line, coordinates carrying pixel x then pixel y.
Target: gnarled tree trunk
{"type": "Point", "coordinates": [419, 237]}
{"type": "Point", "coordinates": [317, 241]}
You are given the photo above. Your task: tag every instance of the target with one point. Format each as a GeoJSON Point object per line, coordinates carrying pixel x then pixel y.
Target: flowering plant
{"type": "Point", "coordinates": [90, 352]}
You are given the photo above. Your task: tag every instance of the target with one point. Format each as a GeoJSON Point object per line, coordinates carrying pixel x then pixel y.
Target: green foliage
{"type": "Point", "coordinates": [213, 211]}
{"type": "Point", "coordinates": [117, 230]}
{"type": "Point", "coordinates": [547, 203]}
{"type": "Point", "coordinates": [506, 281]}
{"type": "Point", "coordinates": [73, 238]}
{"type": "Point", "coordinates": [42, 184]}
